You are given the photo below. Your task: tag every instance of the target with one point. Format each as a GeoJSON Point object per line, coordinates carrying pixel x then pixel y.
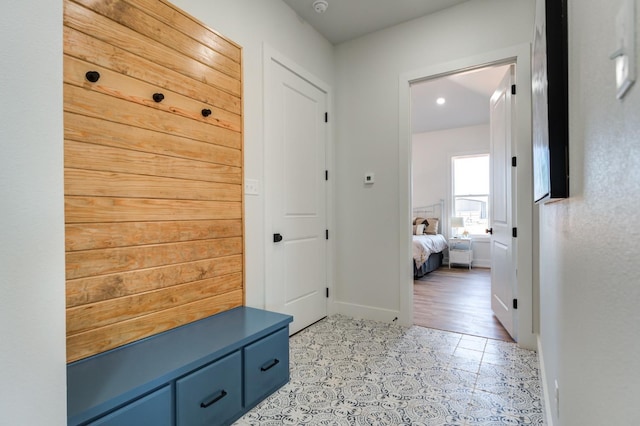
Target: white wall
{"type": "Point", "coordinates": [431, 169]}
{"type": "Point", "coordinates": [367, 75]}
{"type": "Point", "coordinates": [589, 243]}
{"type": "Point", "coordinates": [32, 319]}
{"type": "Point", "coordinates": [252, 23]}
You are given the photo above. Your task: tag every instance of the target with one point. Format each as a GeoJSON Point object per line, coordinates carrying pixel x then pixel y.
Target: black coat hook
{"type": "Point", "coordinates": [206, 112]}
{"type": "Point", "coordinates": [158, 97]}
{"type": "Point", "coordinates": [92, 76]}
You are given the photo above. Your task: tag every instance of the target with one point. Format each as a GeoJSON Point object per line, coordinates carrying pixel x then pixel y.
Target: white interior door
{"type": "Point", "coordinates": [503, 273]}
{"type": "Point", "coordinates": [295, 132]}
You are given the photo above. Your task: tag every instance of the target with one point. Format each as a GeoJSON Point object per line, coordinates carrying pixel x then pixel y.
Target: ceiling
{"type": "Point", "coordinates": [466, 97]}
{"type": "Point", "coordinates": [345, 20]}
{"type": "Point", "coordinates": [467, 94]}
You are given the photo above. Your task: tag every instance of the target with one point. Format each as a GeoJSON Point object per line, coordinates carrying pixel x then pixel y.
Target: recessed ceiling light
{"type": "Point", "coordinates": [441, 101]}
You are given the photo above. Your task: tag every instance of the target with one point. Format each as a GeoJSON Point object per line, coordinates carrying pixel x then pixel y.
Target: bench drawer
{"type": "Point", "coordinates": [211, 395]}
{"type": "Point", "coordinates": [155, 409]}
{"type": "Point", "coordinates": [266, 366]}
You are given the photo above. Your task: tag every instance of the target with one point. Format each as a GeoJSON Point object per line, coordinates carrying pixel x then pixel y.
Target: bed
{"type": "Point", "coordinates": [428, 241]}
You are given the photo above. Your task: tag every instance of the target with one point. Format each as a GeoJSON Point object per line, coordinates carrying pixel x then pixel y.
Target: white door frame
{"type": "Point", "coordinates": [520, 55]}
{"type": "Point", "coordinates": [270, 54]}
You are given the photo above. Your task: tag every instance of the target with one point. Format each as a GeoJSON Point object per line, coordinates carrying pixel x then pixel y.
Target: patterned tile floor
{"type": "Point", "coordinates": [358, 372]}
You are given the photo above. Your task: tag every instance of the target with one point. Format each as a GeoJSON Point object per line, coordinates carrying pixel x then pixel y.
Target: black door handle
{"type": "Point", "coordinates": [489, 231]}
{"type": "Point", "coordinates": [277, 238]}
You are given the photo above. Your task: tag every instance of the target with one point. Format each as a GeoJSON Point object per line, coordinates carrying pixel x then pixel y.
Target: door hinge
{"type": "Point", "coordinates": [515, 303]}
{"type": "Point", "coordinates": [513, 89]}
{"type": "Point", "coordinates": [326, 117]}
{"type": "Point", "coordinates": [514, 232]}
{"type": "Point", "coordinates": [326, 234]}
{"type": "Point", "coordinates": [326, 175]}
{"type": "Point", "coordinates": [327, 292]}
{"type": "Point", "coordinates": [514, 162]}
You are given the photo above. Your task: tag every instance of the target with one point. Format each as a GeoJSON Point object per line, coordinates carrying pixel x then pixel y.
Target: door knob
{"type": "Point", "coordinates": [277, 238]}
{"type": "Point", "coordinates": [489, 231]}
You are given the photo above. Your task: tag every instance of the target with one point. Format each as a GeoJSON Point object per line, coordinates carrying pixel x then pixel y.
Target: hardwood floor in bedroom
{"type": "Point", "coordinates": [458, 300]}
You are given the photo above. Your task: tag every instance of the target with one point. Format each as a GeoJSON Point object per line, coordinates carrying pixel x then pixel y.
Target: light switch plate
{"type": "Point", "coordinates": [625, 54]}
{"type": "Point", "coordinates": [251, 187]}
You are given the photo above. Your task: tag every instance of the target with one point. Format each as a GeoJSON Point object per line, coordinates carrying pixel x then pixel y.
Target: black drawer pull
{"type": "Point", "coordinates": [214, 400]}
{"type": "Point", "coordinates": [269, 366]}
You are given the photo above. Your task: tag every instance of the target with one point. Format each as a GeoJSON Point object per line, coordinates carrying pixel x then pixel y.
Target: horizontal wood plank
{"type": "Point", "coordinates": [104, 184]}
{"type": "Point", "coordinates": [132, 90]}
{"type": "Point", "coordinates": [102, 28]}
{"type": "Point", "coordinates": [104, 287]}
{"type": "Point", "coordinates": [108, 261]}
{"type": "Point", "coordinates": [137, 20]}
{"type": "Point", "coordinates": [89, 236]}
{"type": "Point", "coordinates": [94, 104]}
{"type": "Point", "coordinates": [170, 15]}
{"type": "Point", "coordinates": [106, 209]}
{"type": "Point", "coordinates": [107, 56]}
{"type": "Point", "coordinates": [94, 315]}
{"type": "Point", "coordinates": [107, 133]}
{"type": "Point", "coordinates": [78, 155]}
{"type": "Point", "coordinates": [112, 336]}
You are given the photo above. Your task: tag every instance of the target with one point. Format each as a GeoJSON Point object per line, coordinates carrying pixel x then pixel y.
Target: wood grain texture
{"type": "Point", "coordinates": [108, 261]}
{"type": "Point", "coordinates": [93, 289]}
{"type": "Point", "coordinates": [457, 300]}
{"type": "Point", "coordinates": [99, 314]}
{"type": "Point", "coordinates": [89, 236]}
{"type": "Point", "coordinates": [85, 344]}
{"type": "Point", "coordinates": [104, 184]}
{"type": "Point", "coordinates": [170, 15]}
{"type": "Point", "coordinates": [129, 89]}
{"type": "Point", "coordinates": [86, 101]}
{"type": "Point", "coordinates": [105, 29]}
{"type": "Point", "coordinates": [106, 56]}
{"type": "Point", "coordinates": [154, 196]}
{"type": "Point", "coordinates": [79, 155]}
{"type": "Point", "coordinates": [136, 19]}
{"type": "Point", "coordinates": [80, 128]}
{"type": "Point", "coordinates": [108, 209]}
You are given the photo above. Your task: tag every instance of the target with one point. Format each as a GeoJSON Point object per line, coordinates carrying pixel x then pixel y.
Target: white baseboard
{"type": "Point", "coordinates": [548, 418]}
{"type": "Point", "coordinates": [480, 263]}
{"type": "Point", "coordinates": [366, 312]}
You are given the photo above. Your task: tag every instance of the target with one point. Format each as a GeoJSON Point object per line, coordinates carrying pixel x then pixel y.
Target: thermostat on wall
{"type": "Point", "coordinates": [369, 178]}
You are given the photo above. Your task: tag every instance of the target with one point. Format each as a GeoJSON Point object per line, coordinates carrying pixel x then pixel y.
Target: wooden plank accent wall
{"type": "Point", "coordinates": [153, 190]}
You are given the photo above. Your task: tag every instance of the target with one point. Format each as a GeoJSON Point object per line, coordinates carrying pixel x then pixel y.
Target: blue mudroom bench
{"type": "Point", "coordinates": [209, 372]}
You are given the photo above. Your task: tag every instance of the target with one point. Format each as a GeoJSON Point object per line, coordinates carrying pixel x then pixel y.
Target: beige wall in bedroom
{"type": "Point", "coordinates": [431, 171]}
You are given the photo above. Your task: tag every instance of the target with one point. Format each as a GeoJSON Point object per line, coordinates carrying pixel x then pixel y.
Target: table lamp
{"type": "Point", "coordinates": [457, 223]}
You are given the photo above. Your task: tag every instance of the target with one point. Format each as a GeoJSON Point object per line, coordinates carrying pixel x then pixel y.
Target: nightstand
{"type": "Point", "coordinates": [460, 251]}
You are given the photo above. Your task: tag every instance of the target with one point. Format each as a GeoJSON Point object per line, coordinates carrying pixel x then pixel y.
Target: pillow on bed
{"type": "Point", "coordinates": [432, 227]}
{"type": "Point", "coordinates": [420, 221]}
{"type": "Point", "coordinates": [419, 229]}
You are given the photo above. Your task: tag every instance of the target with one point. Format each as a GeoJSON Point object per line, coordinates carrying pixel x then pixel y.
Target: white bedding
{"type": "Point", "coordinates": [424, 245]}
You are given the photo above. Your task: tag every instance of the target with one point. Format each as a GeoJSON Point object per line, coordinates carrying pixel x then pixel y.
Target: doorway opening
{"type": "Point", "coordinates": [450, 121]}
{"type": "Point", "coordinates": [525, 283]}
